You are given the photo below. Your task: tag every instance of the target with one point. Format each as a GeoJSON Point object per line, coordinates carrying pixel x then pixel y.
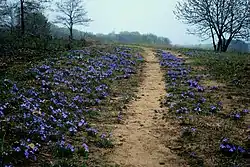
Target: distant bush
{"type": "Point", "coordinates": [239, 46]}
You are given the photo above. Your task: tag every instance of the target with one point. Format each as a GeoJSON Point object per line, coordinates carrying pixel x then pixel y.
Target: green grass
{"type": "Point", "coordinates": [230, 72]}
{"type": "Point", "coordinates": [103, 116]}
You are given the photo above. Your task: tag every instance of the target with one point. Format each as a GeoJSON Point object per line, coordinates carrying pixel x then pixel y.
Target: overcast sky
{"type": "Point", "coordinates": [145, 16]}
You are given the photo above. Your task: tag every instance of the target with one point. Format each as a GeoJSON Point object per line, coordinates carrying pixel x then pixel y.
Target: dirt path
{"type": "Point", "coordinates": [141, 140]}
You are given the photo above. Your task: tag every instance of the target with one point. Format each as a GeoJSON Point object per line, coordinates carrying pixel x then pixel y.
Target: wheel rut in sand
{"type": "Point", "coordinates": [141, 140]}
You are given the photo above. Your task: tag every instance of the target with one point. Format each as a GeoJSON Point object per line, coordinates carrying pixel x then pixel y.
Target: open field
{"type": "Point", "coordinates": [94, 83]}
{"type": "Point", "coordinates": [208, 98]}
{"type": "Point", "coordinates": [54, 112]}
{"type": "Point", "coordinates": [127, 106]}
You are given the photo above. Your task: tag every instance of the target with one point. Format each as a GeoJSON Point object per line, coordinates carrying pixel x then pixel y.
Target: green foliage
{"type": "Point", "coordinates": [73, 149]}
{"type": "Point", "coordinates": [232, 68]}
{"type": "Point", "coordinates": [133, 37]}
{"type": "Point", "coordinates": [122, 37]}
{"type": "Point", "coordinates": [224, 77]}
{"type": "Point", "coordinates": [37, 24]}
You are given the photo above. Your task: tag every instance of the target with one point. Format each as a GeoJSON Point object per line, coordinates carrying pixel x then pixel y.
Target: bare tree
{"type": "Point", "coordinates": [71, 12]}
{"type": "Point", "coordinates": [27, 7]}
{"type": "Point", "coordinates": [221, 20]}
{"type": "Point", "coordinates": [14, 12]}
{"type": "Point", "coordinates": [8, 15]}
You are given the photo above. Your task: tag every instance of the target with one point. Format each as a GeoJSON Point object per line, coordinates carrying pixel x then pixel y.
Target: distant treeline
{"type": "Point", "coordinates": [122, 37]}
{"type": "Point", "coordinates": [41, 37]}
{"type": "Point", "coordinates": [239, 46]}
{"type": "Point", "coordinates": [235, 46]}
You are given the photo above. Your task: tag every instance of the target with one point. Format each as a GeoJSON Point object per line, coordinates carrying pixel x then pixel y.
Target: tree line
{"type": "Point", "coordinates": [26, 31]}
{"type": "Point", "coordinates": [134, 37]}
{"type": "Point", "coordinates": [121, 37]}
{"type": "Point", "coordinates": [24, 26]}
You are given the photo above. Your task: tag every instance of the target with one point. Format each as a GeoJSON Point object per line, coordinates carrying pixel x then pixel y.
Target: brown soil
{"type": "Point", "coordinates": [141, 139]}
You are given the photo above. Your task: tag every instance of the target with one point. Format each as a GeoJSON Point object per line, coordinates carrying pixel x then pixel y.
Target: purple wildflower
{"type": "Point", "coordinates": [69, 146]}
{"type": "Point", "coordinates": [237, 116]}
{"type": "Point", "coordinates": [213, 108]}
{"type": "Point", "coordinates": [245, 111]}
{"type": "Point", "coordinates": [85, 147]}
{"type": "Point", "coordinates": [17, 149]}
{"type": "Point", "coordinates": [26, 154]}
{"type": "Point", "coordinates": [241, 150]}
{"type": "Point", "coordinates": [81, 122]}
{"type": "Point", "coordinates": [103, 136]}
{"type": "Point", "coordinates": [193, 129]}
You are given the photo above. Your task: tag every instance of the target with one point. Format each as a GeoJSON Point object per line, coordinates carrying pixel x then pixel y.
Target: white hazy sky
{"type": "Point", "coordinates": [144, 16]}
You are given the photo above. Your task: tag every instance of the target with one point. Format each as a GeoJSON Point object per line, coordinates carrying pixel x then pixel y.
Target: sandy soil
{"type": "Point", "coordinates": [141, 139]}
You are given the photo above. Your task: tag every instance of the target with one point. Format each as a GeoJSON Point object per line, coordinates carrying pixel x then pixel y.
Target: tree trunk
{"type": "Point", "coordinates": [226, 44]}
{"type": "Point", "coordinates": [223, 44]}
{"type": "Point", "coordinates": [213, 38]}
{"type": "Point", "coordinates": [70, 36]}
{"type": "Point", "coordinates": [219, 44]}
{"type": "Point", "coordinates": [22, 16]}
{"type": "Point", "coordinates": [71, 33]}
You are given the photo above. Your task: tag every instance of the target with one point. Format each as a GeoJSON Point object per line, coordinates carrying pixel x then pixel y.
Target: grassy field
{"type": "Point", "coordinates": [61, 111]}
{"type": "Point", "coordinates": [55, 112]}
{"type": "Point", "coordinates": [208, 97]}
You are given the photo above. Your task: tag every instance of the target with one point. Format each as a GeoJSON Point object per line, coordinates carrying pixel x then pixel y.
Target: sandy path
{"type": "Point", "coordinates": [140, 140]}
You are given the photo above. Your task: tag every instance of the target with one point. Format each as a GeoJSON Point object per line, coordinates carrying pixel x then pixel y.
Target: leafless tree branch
{"type": "Point", "coordinates": [221, 20]}
{"type": "Point", "coordinates": [70, 13]}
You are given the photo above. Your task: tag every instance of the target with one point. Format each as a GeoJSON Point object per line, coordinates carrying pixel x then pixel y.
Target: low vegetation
{"type": "Point", "coordinates": [50, 112]}
{"type": "Point", "coordinates": [63, 90]}
{"type": "Point", "coordinates": [208, 96]}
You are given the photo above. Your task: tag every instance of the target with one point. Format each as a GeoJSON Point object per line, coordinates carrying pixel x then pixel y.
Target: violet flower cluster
{"type": "Point", "coordinates": [54, 101]}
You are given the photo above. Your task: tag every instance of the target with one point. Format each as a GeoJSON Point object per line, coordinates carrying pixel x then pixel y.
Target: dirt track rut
{"type": "Point", "coordinates": [141, 140]}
